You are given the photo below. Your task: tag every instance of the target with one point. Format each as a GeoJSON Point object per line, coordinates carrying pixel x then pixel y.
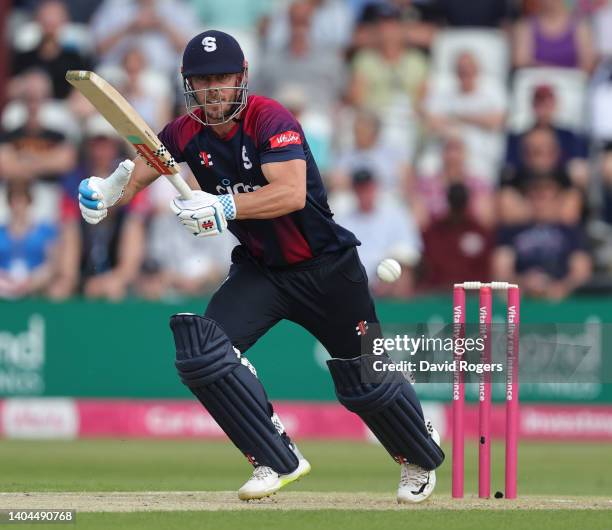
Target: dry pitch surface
{"type": "Point", "coordinates": [226, 500]}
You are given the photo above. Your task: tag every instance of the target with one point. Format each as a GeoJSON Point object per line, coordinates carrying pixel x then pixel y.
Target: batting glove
{"type": "Point", "coordinates": [203, 215]}
{"type": "Point", "coordinates": [96, 195]}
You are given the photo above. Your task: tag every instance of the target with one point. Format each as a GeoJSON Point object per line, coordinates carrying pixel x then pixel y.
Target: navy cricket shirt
{"type": "Point", "coordinates": [266, 132]}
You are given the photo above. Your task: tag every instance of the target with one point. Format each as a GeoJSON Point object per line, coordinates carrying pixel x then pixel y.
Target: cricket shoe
{"type": "Point", "coordinates": [265, 481]}
{"type": "Point", "coordinates": [417, 484]}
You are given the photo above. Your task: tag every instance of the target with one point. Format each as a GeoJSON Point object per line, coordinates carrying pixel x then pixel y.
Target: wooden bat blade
{"type": "Point", "coordinates": [128, 123]}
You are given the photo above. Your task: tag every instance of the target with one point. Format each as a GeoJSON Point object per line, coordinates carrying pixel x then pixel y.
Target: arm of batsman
{"type": "Point", "coordinates": [96, 194]}
{"type": "Point", "coordinates": [203, 215]}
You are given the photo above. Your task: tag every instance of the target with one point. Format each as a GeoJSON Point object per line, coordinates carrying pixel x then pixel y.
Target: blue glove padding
{"type": "Point", "coordinates": [89, 197]}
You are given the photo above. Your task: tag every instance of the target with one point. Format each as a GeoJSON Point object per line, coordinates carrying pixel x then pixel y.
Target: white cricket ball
{"type": "Point", "coordinates": [388, 270]}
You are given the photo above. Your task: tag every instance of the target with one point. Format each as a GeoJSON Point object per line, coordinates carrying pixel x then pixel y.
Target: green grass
{"type": "Point", "coordinates": [550, 469]}
{"type": "Point", "coordinates": [110, 465]}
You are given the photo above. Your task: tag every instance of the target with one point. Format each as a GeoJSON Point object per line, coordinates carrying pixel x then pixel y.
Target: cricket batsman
{"type": "Point", "coordinates": [258, 179]}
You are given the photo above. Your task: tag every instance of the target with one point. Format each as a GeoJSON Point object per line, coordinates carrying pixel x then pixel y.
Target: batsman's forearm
{"type": "Point", "coordinates": [142, 176]}
{"type": "Point", "coordinates": [268, 202]}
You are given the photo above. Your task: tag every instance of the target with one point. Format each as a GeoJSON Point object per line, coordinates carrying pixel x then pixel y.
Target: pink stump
{"type": "Point", "coordinates": [484, 395]}
{"type": "Point", "coordinates": [512, 390]}
{"type": "Point", "coordinates": [458, 395]}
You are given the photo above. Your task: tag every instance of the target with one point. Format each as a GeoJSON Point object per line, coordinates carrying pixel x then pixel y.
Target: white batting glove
{"type": "Point", "coordinates": [96, 195]}
{"type": "Point", "coordinates": [203, 215]}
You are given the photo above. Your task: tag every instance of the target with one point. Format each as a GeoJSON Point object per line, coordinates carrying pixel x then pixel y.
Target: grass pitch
{"type": "Point", "coordinates": [192, 484]}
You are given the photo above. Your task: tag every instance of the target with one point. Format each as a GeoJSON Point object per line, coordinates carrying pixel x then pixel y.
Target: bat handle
{"type": "Point", "coordinates": [180, 185]}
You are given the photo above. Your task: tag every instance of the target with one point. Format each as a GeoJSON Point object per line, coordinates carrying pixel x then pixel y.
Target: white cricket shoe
{"type": "Point", "coordinates": [265, 481]}
{"type": "Point", "coordinates": [417, 484]}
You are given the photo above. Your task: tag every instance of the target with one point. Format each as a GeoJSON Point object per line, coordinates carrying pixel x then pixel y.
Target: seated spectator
{"type": "Point", "coordinates": [159, 28]}
{"type": "Point", "coordinates": [389, 166]}
{"type": "Point", "coordinates": [113, 250]}
{"type": "Point", "coordinates": [32, 151]}
{"type": "Point", "coordinates": [318, 71]}
{"type": "Point", "coordinates": [50, 55]}
{"type": "Point", "coordinates": [27, 258]}
{"type": "Point", "coordinates": [178, 264]}
{"type": "Point", "coordinates": [429, 199]}
{"type": "Point", "coordinates": [389, 80]}
{"type": "Point", "coordinates": [474, 107]}
{"type": "Point", "coordinates": [553, 37]}
{"type": "Point", "coordinates": [388, 72]}
{"type": "Point", "coordinates": [541, 157]}
{"type": "Point", "coordinates": [456, 245]}
{"type": "Point", "coordinates": [546, 258]}
{"type": "Point", "coordinates": [386, 230]}
{"type": "Point", "coordinates": [36, 153]}
{"type": "Point", "coordinates": [573, 146]}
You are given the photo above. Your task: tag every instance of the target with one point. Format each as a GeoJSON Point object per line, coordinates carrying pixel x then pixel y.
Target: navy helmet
{"type": "Point", "coordinates": [213, 53]}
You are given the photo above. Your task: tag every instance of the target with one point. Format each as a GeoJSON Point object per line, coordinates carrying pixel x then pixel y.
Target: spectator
{"type": "Point", "coordinates": [319, 71]}
{"type": "Point", "coordinates": [112, 251]}
{"type": "Point", "coordinates": [456, 245]}
{"type": "Point", "coordinates": [34, 152]}
{"type": "Point", "coordinates": [553, 37]}
{"type": "Point", "coordinates": [50, 54]}
{"type": "Point", "coordinates": [178, 263]}
{"type": "Point", "coordinates": [159, 28]}
{"type": "Point", "coordinates": [546, 258]}
{"type": "Point", "coordinates": [390, 81]}
{"type": "Point", "coordinates": [385, 230]}
{"type": "Point", "coordinates": [389, 71]}
{"type": "Point", "coordinates": [474, 107]}
{"type": "Point", "coordinates": [429, 201]}
{"type": "Point", "coordinates": [26, 248]}
{"type": "Point", "coordinates": [388, 166]}
{"type": "Point", "coordinates": [573, 146]}
{"type": "Point", "coordinates": [541, 156]}
{"type": "Point", "coordinates": [146, 91]}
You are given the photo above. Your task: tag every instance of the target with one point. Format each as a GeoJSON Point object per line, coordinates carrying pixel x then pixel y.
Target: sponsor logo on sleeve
{"type": "Point", "coordinates": [285, 138]}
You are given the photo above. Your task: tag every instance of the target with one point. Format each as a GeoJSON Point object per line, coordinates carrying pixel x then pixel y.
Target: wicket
{"type": "Point", "coordinates": [484, 388]}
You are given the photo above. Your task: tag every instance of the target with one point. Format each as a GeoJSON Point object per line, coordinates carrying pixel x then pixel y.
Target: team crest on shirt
{"type": "Point", "coordinates": [362, 328]}
{"type": "Point", "coordinates": [205, 159]}
{"type": "Point", "coordinates": [285, 138]}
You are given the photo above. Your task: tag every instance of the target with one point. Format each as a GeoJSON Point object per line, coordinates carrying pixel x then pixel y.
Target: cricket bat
{"type": "Point", "coordinates": [129, 124]}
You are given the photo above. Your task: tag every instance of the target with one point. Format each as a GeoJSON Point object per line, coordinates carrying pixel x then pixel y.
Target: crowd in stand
{"type": "Point", "coordinates": [469, 140]}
